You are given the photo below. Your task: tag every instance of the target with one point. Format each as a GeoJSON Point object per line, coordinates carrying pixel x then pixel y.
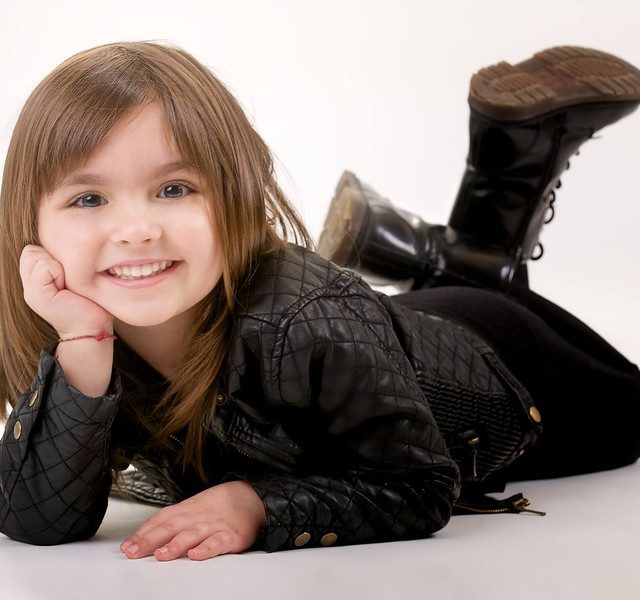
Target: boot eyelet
{"type": "Point", "coordinates": [539, 256]}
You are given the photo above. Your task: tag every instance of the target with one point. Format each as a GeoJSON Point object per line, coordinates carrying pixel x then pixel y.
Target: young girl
{"type": "Point", "coordinates": [155, 314]}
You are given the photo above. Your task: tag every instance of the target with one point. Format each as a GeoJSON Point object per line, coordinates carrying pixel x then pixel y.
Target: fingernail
{"type": "Point", "coordinates": [163, 550]}
{"type": "Point", "coordinates": [125, 545]}
{"type": "Point", "coordinates": [133, 549]}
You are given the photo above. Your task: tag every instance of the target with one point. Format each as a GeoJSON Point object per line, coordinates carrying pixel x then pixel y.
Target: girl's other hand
{"type": "Point", "coordinates": [45, 293]}
{"type": "Point", "coordinates": [220, 520]}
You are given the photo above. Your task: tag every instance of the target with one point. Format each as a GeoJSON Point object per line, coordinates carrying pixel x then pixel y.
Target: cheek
{"type": "Point", "coordinates": [211, 259]}
{"type": "Point", "coordinates": [207, 254]}
{"type": "Point", "coordinates": [55, 237]}
{"type": "Point", "coordinates": [202, 229]}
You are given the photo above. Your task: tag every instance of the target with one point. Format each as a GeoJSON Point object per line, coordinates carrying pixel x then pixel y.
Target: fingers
{"type": "Point", "coordinates": [168, 517]}
{"type": "Point", "coordinates": [155, 532]}
{"type": "Point", "coordinates": [38, 270]}
{"type": "Point", "coordinates": [195, 546]}
{"type": "Point", "coordinates": [199, 542]}
{"type": "Point", "coordinates": [164, 537]}
{"type": "Point", "coordinates": [213, 522]}
{"type": "Point", "coordinates": [28, 260]}
{"type": "Point", "coordinates": [214, 545]}
{"type": "Point", "coordinates": [48, 272]}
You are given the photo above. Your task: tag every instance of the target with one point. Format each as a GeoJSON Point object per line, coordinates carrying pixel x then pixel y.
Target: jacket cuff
{"type": "Point", "coordinates": [290, 524]}
{"type": "Point", "coordinates": [37, 400]}
{"type": "Point", "coordinates": [53, 482]}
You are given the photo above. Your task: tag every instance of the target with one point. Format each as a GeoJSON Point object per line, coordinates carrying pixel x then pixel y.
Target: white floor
{"type": "Point", "coordinates": [586, 547]}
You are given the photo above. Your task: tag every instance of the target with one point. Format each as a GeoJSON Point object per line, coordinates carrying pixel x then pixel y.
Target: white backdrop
{"type": "Point", "coordinates": [380, 88]}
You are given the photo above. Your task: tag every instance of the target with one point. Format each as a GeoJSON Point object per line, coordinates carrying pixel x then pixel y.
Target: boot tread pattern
{"type": "Point", "coordinates": [551, 80]}
{"type": "Point", "coordinates": [513, 86]}
{"type": "Point", "coordinates": [606, 73]}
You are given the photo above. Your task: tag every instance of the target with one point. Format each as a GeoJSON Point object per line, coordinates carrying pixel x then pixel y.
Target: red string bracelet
{"type": "Point", "coordinates": [102, 335]}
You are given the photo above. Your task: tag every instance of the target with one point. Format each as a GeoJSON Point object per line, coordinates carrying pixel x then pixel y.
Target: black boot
{"type": "Point", "coordinates": [525, 122]}
{"type": "Point", "coordinates": [363, 231]}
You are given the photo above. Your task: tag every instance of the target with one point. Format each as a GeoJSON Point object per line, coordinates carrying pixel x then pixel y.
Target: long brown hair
{"type": "Point", "coordinates": [66, 116]}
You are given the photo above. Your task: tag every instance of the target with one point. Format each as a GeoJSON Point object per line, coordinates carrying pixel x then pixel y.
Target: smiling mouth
{"type": "Point", "coordinates": [170, 265]}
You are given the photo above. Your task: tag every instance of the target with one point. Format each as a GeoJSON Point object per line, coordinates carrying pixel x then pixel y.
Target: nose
{"type": "Point", "coordinates": [136, 223]}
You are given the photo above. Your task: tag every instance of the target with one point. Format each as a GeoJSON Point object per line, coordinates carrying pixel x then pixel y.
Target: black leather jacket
{"type": "Point", "coordinates": [323, 411]}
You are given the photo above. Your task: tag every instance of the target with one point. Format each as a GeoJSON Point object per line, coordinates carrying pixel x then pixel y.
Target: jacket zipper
{"type": "Point", "coordinates": [513, 504]}
{"type": "Point", "coordinates": [474, 454]}
{"type": "Point", "coordinates": [466, 439]}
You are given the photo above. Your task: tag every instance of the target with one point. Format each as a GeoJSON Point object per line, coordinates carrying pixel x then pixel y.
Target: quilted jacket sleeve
{"type": "Point", "coordinates": [338, 362]}
{"type": "Point", "coordinates": [54, 480]}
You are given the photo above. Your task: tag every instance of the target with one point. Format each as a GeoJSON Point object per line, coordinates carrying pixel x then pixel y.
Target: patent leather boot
{"type": "Point", "coordinates": [365, 232]}
{"type": "Point", "coordinates": [526, 121]}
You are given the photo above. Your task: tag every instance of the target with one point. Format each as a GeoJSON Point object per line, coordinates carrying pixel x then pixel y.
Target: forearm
{"type": "Point", "coordinates": [353, 510]}
{"type": "Point", "coordinates": [87, 364]}
{"type": "Point", "coordinates": [54, 478]}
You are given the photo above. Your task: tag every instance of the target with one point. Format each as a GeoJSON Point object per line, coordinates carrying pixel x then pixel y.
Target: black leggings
{"type": "Point", "coordinates": [587, 393]}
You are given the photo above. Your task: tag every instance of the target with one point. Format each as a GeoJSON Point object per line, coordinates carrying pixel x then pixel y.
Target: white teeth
{"type": "Point", "coordinates": [138, 272]}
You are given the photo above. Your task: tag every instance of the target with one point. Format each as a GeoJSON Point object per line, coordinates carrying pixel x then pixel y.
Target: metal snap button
{"type": "Point", "coordinates": [34, 397]}
{"type": "Point", "coordinates": [17, 430]}
{"type": "Point", "coordinates": [328, 539]}
{"type": "Point", "coordinates": [222, 399]}
{"type": "Point", "coordinates": [535, 414]}
{"type": "Point", "coordinates": [302, 539]}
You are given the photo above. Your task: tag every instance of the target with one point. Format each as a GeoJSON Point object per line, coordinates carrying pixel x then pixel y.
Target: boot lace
{"type": "Point", "coordinates": [551, 198]}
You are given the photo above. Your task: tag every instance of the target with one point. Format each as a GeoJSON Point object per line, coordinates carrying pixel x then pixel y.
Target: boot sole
{"type": "Point", "coordinates": [345, 223]}
{"type": "Point", "coordinates": [553, 79]}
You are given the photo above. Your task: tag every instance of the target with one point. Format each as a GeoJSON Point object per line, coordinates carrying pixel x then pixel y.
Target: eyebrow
{"type": "Point", "coordinates": [94, 179]}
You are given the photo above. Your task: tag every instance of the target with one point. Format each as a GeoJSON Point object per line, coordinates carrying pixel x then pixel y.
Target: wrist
{"type": "Point", "coordinates": [98, 334]}
{"type": "Point", "coordinates": [252, 497]}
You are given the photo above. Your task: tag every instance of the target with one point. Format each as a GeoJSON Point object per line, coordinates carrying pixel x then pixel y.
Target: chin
{"type": "Point", "coordinates": [139, 320]}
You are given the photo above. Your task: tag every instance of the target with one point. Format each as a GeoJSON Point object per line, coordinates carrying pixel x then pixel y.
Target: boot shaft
{"type": "Point", "coordinates": [512, 169]}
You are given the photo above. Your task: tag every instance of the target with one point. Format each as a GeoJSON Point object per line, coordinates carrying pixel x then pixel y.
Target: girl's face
{"type": "Point", "coordinates": [125, 206]}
